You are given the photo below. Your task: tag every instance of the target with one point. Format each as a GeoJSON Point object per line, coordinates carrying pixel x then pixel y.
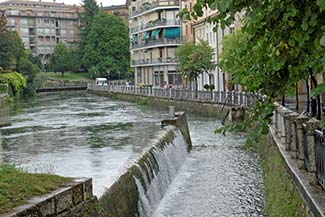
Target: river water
{"type": "Point", "coordinates": [82, 135]}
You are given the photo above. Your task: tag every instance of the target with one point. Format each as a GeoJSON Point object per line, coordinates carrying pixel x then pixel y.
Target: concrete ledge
{"type": "Point", "coordinates": [313, 195]}
{"type": "Point", "coordinates": [73, 199]}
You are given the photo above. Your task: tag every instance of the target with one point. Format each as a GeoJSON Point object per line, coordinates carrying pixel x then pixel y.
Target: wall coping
{"type": "Point", "coordinates": [58, 201]}
{"type": "Point", "coordinates": [313, 195]}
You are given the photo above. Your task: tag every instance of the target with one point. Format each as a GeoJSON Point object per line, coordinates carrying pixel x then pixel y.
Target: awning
{"type": "Point", "coordinates": [172, 32]}
{"type": "Point", "coordinates": [155, 33]}
{"type": "Point", "coordinates": [134, 39]}
{"type": "Point", "coordinates": [146, 36]}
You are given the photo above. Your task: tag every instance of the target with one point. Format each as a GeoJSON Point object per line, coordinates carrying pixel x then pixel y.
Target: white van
{"type": "Point", "coordinates": [101, 81]}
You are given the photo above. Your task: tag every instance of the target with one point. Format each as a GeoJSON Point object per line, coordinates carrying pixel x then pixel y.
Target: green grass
{"type": "Point", "coordinates": [68, 76]}
{"type": "Point", "coordinates": [16, 186]}
{"type": "Point", "coordinates": [282, 198]}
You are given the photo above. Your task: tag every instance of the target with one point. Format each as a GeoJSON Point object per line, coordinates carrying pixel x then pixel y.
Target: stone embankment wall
{"type": "Point", "coordinates": [300, 146]}
{"type": "Point", "coordinates": [203, 108]}
{"type": "Point", "coordinates": [138, 191]}
{"type": "Point", "coordinates": [72, 200]}
{"type": "Point", "coordinates": [3, 99]}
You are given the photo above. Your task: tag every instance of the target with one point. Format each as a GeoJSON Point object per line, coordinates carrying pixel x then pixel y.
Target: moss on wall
{"type": "Point", "coordinates": [282, 199]}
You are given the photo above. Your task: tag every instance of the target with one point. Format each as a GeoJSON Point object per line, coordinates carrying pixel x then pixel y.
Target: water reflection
{"type": "Point", "coordinates": [76, 134]}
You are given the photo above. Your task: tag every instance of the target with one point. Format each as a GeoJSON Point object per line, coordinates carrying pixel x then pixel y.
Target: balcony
{"type": "Point", "coordinates": [155, 24]}
{"type": "Point", "coordinates": [149, 7]}
{"type": "Point", "coordinates": [157, 43]}
{"type": "Point", "coordinates": [152, 62]}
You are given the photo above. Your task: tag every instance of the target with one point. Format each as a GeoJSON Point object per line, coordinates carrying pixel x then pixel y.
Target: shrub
{"type": "Point", "coordinates": [16, 83]}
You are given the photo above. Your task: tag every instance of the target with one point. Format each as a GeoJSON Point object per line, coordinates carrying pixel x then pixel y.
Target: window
{"type": "Point", "coordinates": [46, 31]}
{"type": "Point", "coordinates": [63, 32]}
{"type": "Point", "coordinates": [24, 31]}
{"type": "Point", "coordinates": [23, 21]}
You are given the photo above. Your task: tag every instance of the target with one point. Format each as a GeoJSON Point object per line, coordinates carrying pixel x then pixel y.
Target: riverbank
{"type": "Point", "coordinates": [17, 187]}
{"type": "Point", "coordinates": [51, 79]}
{"type": "Point", "coordinates": [281, 195]}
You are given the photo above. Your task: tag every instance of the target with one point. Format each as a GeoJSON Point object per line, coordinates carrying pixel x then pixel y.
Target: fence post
{"type": "Point", "coordinates": [283, 112]}
{"type": "Point", "coordinates": [292, 134]}
{"type": "Point", "coordinates": [312, 125]}
{"type": "Point", "coordinates": [300, 140]}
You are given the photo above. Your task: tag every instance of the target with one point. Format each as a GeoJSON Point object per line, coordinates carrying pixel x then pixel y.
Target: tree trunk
{"type": "Point", "coordinates": [196, 88]}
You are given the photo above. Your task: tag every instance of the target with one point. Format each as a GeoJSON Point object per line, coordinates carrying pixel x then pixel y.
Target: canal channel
{"type": "Point", "coordinates": [81, 135]}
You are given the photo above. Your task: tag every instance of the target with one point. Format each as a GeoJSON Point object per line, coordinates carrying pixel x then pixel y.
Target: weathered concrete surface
{"type": "Point", "coordinates": [73, 199]}
{"type": "Point", "coordinates": [122, 198]}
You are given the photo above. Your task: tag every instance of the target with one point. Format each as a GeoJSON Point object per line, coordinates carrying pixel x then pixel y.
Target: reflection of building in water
{"type": "Point", "coordinates": [41, 25]}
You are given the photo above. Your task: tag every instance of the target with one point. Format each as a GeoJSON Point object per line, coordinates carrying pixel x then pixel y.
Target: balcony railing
{"type": "Point", "coordinates": [155, 23]}
{"type": "Point", "coordinates": [156, 43]}
{"type": "Point", "coordinates": [157, 61]}
{"type": "Point", "coordinates": [150, 6]}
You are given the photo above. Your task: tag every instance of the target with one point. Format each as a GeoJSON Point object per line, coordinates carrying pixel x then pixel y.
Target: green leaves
{"type": "Point", "coordinates": [322, 41]}
{"type": "Point", "coordinates": [321, 4]}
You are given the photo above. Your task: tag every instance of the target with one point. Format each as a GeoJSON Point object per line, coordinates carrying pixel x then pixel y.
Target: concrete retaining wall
{"type": "Point", "coordinates": [123, 197]}
{"type": "Point", "coordinates": [204, 108]}
{"type": "Point", "coordinates": [74, 199]}
{"type": "Point", "coordinates": [292, 134]}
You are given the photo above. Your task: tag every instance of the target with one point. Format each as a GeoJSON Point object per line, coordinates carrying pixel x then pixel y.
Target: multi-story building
{"type": "Point", "coordinates": [187, 30]}
{"type": "Point", "coordinates": [41, 25]}
{"type": "Point", "coordinates": [155, 32]}
{"type": "Point", "coordinates": [121, 11]}
{"type": "Point", "coordinates": [203, 30]}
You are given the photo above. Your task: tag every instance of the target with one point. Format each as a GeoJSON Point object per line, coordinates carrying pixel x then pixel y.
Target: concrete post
{"type": "Point", "coordinates": [283, 112]}
{"type": "Point", "coordinates": [293, 136]}
{"type": "Point", "coordinates": [171, 111]}
{"type": "Point", "coordinates": [312, 125]}
{"type": "Point", "coordinates": [300, 137]}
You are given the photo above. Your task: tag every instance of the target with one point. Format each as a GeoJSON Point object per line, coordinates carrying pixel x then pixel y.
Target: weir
{"type": "Point", "coordinates": [138, 191]}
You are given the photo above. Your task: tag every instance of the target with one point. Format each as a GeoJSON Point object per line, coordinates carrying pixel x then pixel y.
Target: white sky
{"type": "Point", "coordinates": [78, 2]}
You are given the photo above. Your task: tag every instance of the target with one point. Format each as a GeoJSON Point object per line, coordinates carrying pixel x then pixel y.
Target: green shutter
{"type": "Point", "coordinates": [146, 36]}
{"type": "Point", "coordinates": [155, 33]}
{"type": "Point", "coordinates": [134, 39]}
{"type": "Point", "coordinates": [172, 32]}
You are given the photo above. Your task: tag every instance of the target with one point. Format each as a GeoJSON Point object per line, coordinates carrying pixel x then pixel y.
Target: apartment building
{"type": "Point", "coordinates": [187, 30]}
{"type": "Point", "coordinates": [121, 11]}
{"type": "Point", "coordinates": [42, 25]}
{"type": "Point", "coordinates": [155, 32]}
{"type": "Point", "coordinates": [203, 30]}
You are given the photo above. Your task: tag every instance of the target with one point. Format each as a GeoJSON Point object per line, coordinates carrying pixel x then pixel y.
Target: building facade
{"type": "Point", "coordinates": [203, 30]}
{"type": "Point", "coordinates": [155, 32]}
{"type": "Point", "coordinates": [121, 11]}
{"type": "Point", "coordinates": [42, 25]}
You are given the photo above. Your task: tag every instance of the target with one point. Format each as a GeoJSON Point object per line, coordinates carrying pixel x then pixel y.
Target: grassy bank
{"type": "Point", "coordinates": [16, 186]}
{"type": "Point", "coordinates": [282, 198]}
{"type": "Point", "coordinates": [51, 79]}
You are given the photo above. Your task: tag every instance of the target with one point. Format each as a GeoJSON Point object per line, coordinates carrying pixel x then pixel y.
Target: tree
{"type": "Point", "coordinates": [280, 43]}
{"type": "Point", "coordinates": [86, 19]}
{"type": "Point", "coordinates": [11, 49]}
{"type": "Point", "coordinates": [58, 60]}
{"type": "Point", "coordinates": [107, 46]}
{"type": "Point", "coordinates": [195, 59]}
{"type": "Point", "coordinates": [29, 71]}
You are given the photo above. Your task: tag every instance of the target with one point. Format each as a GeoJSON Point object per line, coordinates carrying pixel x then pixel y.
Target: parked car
{"type": "Point", "coordinates": [101, 81]}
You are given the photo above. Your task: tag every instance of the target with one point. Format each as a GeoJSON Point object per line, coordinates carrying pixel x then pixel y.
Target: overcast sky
{"type": "Point", "coordinates": [78, 2]}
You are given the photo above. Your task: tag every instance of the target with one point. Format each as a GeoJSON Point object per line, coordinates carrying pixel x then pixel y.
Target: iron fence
{"type": "Point", "coordinates": [320, 155]}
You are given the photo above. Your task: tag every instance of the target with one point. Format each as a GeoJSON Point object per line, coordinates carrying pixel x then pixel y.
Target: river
{"type": "Point", "coordinates": [83, 135]}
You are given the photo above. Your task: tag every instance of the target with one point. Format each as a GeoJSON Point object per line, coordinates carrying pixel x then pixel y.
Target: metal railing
{"type": "Point", "coordinates": [219, 97]}
{"type": "Point", "coordinates": [150, 6]}
{"type": "Point", "coordinates": [157, 42]}
{"type": "Point", "coordinates": [153, 61]}
{"type": "Point", "coordinates": [155, 23]}
{"type": "Point", "coordinates": [320, 155]}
